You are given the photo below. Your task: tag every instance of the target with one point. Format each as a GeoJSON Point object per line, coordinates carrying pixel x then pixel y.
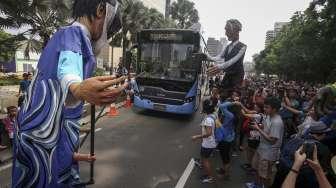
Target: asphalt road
{"type": "Point", "coordinates": [146, 149]}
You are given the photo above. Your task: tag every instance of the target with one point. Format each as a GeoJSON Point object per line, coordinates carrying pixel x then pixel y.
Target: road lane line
{"type": "Point", "coordinates": [183, 179]}
{"type": "Point", "coordinates": [99, 129]}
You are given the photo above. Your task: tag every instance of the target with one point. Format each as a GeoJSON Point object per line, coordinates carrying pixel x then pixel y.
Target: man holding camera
{"type": "Point", "coordinates": [268, 152]}
{"type": "Point", "coordinates": [303, 173]}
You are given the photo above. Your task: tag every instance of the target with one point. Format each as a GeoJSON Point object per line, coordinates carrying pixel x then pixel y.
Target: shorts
{"type": "Point", "coordinates": [253, 143]}
{"type": "Point", "coordinates": [265, 168]}
{"type": "Point", "coordinates": [206, 152]}
{"type": "Point", "coordinates": [225, 151]}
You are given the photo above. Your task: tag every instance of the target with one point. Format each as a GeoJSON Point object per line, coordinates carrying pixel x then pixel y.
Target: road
{"type": "Point", "coordinates": [145, 149]}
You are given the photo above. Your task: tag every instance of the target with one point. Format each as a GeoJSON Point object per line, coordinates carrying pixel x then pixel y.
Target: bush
{"type": "Point", "coordinates": [8, 82]}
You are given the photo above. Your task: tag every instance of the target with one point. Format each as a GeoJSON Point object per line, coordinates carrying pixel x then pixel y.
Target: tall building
{"type": "Point", "coordinates": [278, 26]}
{"type": "Point", "coordinates": [167, 13]}
{"type": "Point", "coordinates": [249, 68]}
{"type": "Point", "coordinates": [215, 46]}
{"type": "Point", "coordinates": [272, 34]}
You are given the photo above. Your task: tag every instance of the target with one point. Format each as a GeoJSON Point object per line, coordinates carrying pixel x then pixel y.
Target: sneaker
{"type": "Point", "coordinates": [203, 177]}
{"type": "Point", "coordinates": [198, 163]}
{"type": "Point", "coordinates": [251, 185]}
{"type": "Point", "coordinates": [208, 179]}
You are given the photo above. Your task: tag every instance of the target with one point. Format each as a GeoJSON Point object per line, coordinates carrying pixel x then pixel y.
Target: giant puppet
{"type": "Point", "coordinates": [47, 130]}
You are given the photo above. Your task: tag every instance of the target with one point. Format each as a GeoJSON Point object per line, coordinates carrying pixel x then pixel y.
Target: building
{"type": "Point", "coordinates": [278, 26]}
{"type": "Point", "coordinates": [216, 46]}
{"type": "Point", "coordinates": [272, 34]}
{"type": "Point", "coordinates": [159, 5]}
{"type": "Point", "coordinates": [26, 65]}
{"type": "Point", "coordinates": [167, 13]}
{"type": "Point", "coordinates": [249, 68]}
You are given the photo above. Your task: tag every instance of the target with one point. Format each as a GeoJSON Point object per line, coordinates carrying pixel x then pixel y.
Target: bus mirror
{"type": "Point", "coordinates": [128, 60]}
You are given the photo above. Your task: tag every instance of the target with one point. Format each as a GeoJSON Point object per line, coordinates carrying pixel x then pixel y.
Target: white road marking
{"type": "Point", "coordinates": [99, 129]}
{"type": "Point", "coordinates": [183, 179]}
{"type": "Point", "coordinates": [2, 168]}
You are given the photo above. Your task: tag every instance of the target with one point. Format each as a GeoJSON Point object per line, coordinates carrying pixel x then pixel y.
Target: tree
{"type": "Point", "coordinates": [38, 18]}
{"type": "Point", "coordinates": [185, 13]}
{"type": "Point", "coordinates": [305, 49]}
{"type": "Point", "coordinates": [7, 46]}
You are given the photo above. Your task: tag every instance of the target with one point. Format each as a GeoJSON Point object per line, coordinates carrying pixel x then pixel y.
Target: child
{"type": "Point", "coordinates": [208, 139]}
{"type": "Point", "coordinates": [9, 122]}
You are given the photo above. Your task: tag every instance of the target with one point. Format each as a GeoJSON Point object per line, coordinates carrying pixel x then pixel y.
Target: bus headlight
{"type": "Point", "coordinates": [189, 99]}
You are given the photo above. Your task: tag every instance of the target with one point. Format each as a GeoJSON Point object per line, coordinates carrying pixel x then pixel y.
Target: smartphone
{"type": "Point", "coordinates": [308, 148]}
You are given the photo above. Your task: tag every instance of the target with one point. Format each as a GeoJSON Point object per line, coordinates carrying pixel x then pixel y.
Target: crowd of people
{"type": "Point", "coordinates": [285, 140]}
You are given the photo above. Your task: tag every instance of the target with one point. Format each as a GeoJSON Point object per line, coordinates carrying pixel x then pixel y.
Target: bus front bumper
{"type": "Point", "coordinates": [187, 108]}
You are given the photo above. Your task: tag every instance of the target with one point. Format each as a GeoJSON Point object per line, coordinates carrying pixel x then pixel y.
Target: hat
{"type": "Point", "coordinates": [318, 128]}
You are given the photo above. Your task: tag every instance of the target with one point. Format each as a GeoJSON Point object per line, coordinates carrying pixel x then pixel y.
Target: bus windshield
{"type": "Point", "coordinates": [169, 61]}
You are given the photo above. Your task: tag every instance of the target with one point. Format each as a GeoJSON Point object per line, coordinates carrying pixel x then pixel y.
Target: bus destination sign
{"type": "Point", "coordinates": [165, 36]}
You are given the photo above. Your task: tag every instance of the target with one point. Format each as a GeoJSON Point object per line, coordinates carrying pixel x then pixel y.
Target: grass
{"type": "Point", "coordinates": [8, 82]}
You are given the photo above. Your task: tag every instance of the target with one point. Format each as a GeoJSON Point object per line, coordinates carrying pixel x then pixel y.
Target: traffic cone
{"type": "Point", "coordinates": [128, 103]}
{"type": "Point", "coordinates": [113, 110]}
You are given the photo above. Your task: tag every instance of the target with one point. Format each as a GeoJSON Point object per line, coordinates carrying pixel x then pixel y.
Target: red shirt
{"type": "Point", "coordinates": [9, 124]}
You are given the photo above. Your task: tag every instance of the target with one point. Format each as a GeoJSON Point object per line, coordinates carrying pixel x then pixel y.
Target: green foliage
{"type": "Point", "coordinates": [7, 46]}
{"type": "Point", "coordinates": [9, 80]}
{"type": "Point", "coordinates": [305, 49]}
{"type": "Point", "coordinates": [38, 18]}
{"type": "Point", "coordinates": [185, 13]}
{"type": "Point", "coordinates": [99, 72]}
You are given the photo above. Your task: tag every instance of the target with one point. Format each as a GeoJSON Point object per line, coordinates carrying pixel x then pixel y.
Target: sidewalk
{"type": "Point", "coordinates": [8, 97]}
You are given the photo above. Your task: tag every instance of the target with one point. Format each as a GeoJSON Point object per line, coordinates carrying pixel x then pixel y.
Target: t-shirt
{"type": "Point", "coordinates": [24, 84]}
{"type": "Point", "coordinates": [9, 126]}
{"type": "Point", "coordinates": [255, 135]}
{"type": "Point", "coordinates": [275, 128]}
{"type": "Point", "coordinates": [209, 142]}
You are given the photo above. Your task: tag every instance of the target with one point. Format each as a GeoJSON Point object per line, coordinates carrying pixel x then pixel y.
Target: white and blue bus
{"type": "Point", "coordinates": [170, 70]}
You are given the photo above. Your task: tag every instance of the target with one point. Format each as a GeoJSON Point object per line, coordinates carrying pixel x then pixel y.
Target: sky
{"type": "Point", "coordinates": [257, 17]}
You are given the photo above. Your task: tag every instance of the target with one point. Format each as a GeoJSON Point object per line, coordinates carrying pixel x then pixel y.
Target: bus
{"type": "Point", "coordinates": [170, 70]}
